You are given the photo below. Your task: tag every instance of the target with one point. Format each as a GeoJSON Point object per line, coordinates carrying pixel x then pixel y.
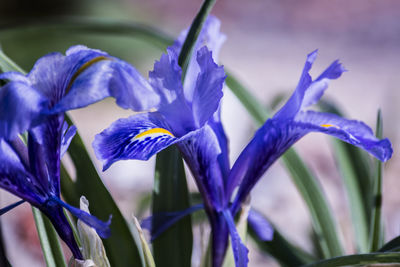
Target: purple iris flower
{"type": "Point", "coordinates": [35, 103]}
{"type": "Point", "coordinates": [188, 116]}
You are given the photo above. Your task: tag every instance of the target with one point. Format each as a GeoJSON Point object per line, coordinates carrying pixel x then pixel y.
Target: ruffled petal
{"type": "Point", "coordinates": [102, 228]}
{"type": "Point", "coordinates": [351, 131]}
{"type": "Point", "coordinates": [209, 36]}
{"type": "Point", "coordinates": [239, 249]}
{"type": "Point", "coordinates": [137, 137]}
{"type": "Point", "coordinates": [21, 108]}
{"type": "Point", "coordinates": [208, 90]}
{"type": "Point", "coordinates": [260, 225]}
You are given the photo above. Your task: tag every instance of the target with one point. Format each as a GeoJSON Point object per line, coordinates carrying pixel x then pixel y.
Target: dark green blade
{"type": "Point", "coordinates": [170, 193]}
{"type": "Point", "coordinates": [359, 260]}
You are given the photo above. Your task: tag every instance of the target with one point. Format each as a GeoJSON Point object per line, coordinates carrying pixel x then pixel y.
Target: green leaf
{"type": "Point", "coordinates": [308, 186]}
{"type": "Point", "coordinates": [48, 237]}
{"type": "Point", "coordinates": [392, 245]}
{"type": "Point", "coordinates": [170, 193]}
{"type": "Point", "coordinates": [191, 38]}
{"type": "Point", "coordinates": [282, 250]}
{"type": "Point", "coordinates": [6, 64]}
{"type": "Point", "coordinates": [376, 233]}
{"type": "Point", "coordinates": [359, 259]}
{"type": "Point", "coordinates": [120, 246]}
{"type": "Point", "coordinates": [145, 250]}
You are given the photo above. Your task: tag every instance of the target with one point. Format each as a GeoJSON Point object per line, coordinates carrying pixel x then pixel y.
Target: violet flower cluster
{"type": "Point", "coordinates": [172, 112]}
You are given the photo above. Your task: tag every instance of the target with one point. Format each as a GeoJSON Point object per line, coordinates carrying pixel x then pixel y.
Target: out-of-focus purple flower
{"type": "Point", "coordinates": [35, 103]}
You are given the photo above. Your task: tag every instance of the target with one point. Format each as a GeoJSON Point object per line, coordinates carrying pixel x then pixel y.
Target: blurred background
{"type": "Point", "coordinates": [267, 43]}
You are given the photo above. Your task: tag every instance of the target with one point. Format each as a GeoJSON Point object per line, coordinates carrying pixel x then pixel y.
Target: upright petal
{"type": "Point", "coordinates": [293, 105]}
{"type": "Point", "coordinates": [21, 108]}
{"type": "Point", "coordinates": [137, 137]}
{"type": "Point", "coordinates": [208, 90]}
{"type": "Point", "coordinates": [353, 132]}
{"type": "Point", "coordinates": [209, 36]}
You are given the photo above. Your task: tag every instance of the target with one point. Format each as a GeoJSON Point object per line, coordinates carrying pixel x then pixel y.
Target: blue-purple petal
{"type": "Point", "coordinates": [260, 225]}
{"type": "Point", "coordinates": [67, 135]}
{"type": "Point", "coordinates": [354, 132]}
{"type": "Point", "coordinates": [21, 107]}
{"type": "Point", "coordinates": [137, 137]}
{"type": "Point", "coordinates": [158, 223]}
{"type": "Point", "coordinates": [208, 90]}
{"type": "Point", "coordinates": [239, 249]}
{"type": "Point", "coordinates": [102, 228]}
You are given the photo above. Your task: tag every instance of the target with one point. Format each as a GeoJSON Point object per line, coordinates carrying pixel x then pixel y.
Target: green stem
{"type": "Point", "coordinates": [51, 247]}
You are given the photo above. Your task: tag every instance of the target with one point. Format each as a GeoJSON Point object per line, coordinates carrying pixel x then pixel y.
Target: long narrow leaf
{"type": "Point", "coordinates": [170, 193]}
{"type": "Point", "coordinates": [359, 259]}
{"type": "Point", "coordinates": [282, 250]}
{"type": "Point", "coordinates": [376, 237]}
{"type": "Point", "coordinates": [48, 240]}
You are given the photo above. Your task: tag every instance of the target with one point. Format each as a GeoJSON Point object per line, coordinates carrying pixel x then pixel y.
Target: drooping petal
{"type": "Point", "coordinates": [21, 108]}
{"type": "Point", "coordinates": [201, 149]}
{"type": "Point", "coordinates": [260, 225]}
{"type": "Point", "coordinates": [137, 137]}
{"type": "Point", "coordinates": [109, 77]}
{"type": "Point", "coordinates": [239, 249]}
{"type": "Point", "coordinates": [16, 179]}
{"type": "Point", "coordinates": [208, 90]}
{"type": "Point", "coordinates": [102, 228]}
{"type": "Point", "coordinates": [351, 131]}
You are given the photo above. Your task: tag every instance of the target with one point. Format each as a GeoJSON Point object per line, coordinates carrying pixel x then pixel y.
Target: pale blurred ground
{"type": "Point", "coordinates": [266, 48]}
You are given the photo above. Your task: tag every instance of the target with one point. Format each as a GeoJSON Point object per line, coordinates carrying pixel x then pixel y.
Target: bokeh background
{"type": "Point", "coordinates": [266, 48]}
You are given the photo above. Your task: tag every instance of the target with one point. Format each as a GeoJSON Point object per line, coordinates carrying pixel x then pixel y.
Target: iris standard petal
{"type": "Point", "coordinates": [137, 137]}
{"type": "Point", "coordinates": [293, 105]}
{"type": "Point", "coordinates": [318, 87]}
{"type": "Point", "coordinates": [21, 108]}
{"type": "Point", "coordinates": [351, 131]}
{"type": "Point", "coordinates": [209, 36]}
{"type": "Point", "coordinates": [208, 90]}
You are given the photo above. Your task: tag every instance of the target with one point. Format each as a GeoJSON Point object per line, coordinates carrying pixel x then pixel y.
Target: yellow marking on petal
{"type": "Point", "coordinates": [84, 67]}
{"type": "Point", "coordinates": [328, 125]}
{"type": "Point", "coordinates": [154, 131]}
